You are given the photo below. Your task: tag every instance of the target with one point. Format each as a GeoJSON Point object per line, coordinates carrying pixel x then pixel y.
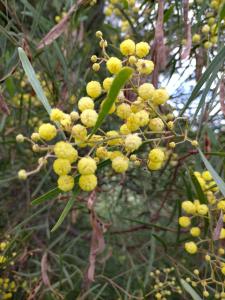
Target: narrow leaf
{"type": "Point", "coordinates": [47, 196]}
{"type": "Point", "coordinates": [219, 181]}
{"type": "Point", "coordinates": [216, 63]}
{"type": "Point", "coordinates": [33, 79]}
{"type": "Point", "coordinates": [117, 84]}
{"type": "Point", "coordinates": [198, 189]}
{"type": "Point", "coordinates": [190, 290]}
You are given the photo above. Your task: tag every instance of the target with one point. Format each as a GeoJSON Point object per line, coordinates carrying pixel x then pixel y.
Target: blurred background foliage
{"type": "Point", "coordinates": [141, 210]}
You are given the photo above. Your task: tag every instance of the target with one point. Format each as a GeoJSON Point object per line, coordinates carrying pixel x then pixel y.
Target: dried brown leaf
{"type": "Point", "coordinates": [44, 270]}
{"type": "Point", "coordinates": [187, 26]}
{"type": "Point", "coordinates": [219, 226]}
{"type": "Point", "coordinates": [58, 29]}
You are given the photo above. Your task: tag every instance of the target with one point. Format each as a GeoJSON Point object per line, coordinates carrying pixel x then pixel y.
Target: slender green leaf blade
{"type": "Point", "coordinates": [33, 79]}
{"type": "Point", "coordinates": [219, 181]}
{"type": "Point", "coordinates": [66, 210]}
{"type": "Point", "coordinates": [190, 290]}
{"type": "Point", "coordinates": [117, 84]}
{"type": "Point", "coordinates": [216, 63]}
{"type": "Point", "coordinates": [198, 189]}
{"type": "Point", "coordinates": [47, 196]}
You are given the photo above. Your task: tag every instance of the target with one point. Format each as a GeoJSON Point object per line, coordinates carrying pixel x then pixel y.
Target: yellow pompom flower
{"type": "Point", "coordinates": [188, 207]}
{"type": "Point", "coordinates": [107, 83]}
{"type": "Point", "coordinates": [206, 175]}
{"type": "Point", "coordinates": [195, 231]}
{"type": "Point", "coordinates": [22, 174]}
{"type": "Point", "coordinates": [143, 117]}
{"type": "Point", "coordinates": [156, 124]}
{"type": "Point", "coordinates": [114, 154]}
{"type": "Point", "coordinates": [156, 155]}
{"type": "Point", "coordinates": [94, 89]}
{"type": "Point", "coordinates": [114, 65]}
{"type": "Point", "coordinates": [85, 103]}
{"type": "Point", "coordinates": [65, 150]}
{"type": "Point", "coordinates": [142, 49]}
{"type": "Point", "coordinates": [145, 66]}
{"type": "Point", "coordinates": [132, 142]}
{"type": "Point", "coordinates": [154, 166]}
{"type": "Point", "coordinates": [191, 247]}
{"type": "Point", "coordinates": [88, 182]}
{"type": "Point", "coordinates": [123, 111]}
{"type": "Point", "coordinates": [114, 138]}
{"type": "Point", "coordinates": [184, 221]}
{"type": "Point", "coordinates": [127, 47]}
{"type": "Point", "coordinates": [61, 166]}
{"type": "Point", "coordinates": [86, 166]}
{"type": "Point", "coordinates": [124, 129]}
{"type": "Point", "coordinates": [101, 153]}
{"type": "Point", "coordinates": [133, 122]}
{"type": "Point", "coordinates": [222, 233]}
{"type": "Point", "coordinates": [205, 29]}
{"type": "Point", "coordinates": [221, 205]}
{"type": "Point", "coordinates": [66, 183]}
{"type": "Point", "coordinates": [56, 114]}
{"type": "Point", "coordinates": [89, 117]}
{"type": "Point", "coordinates": [120, 164]}
{"type": "Point", "coordinates": [146, 91]}
{"type": "Point", "coordinates": [47, 131]}
{"type": "Point", "coordinates": [79, 132]}
{"type": "Point", "coordinates": [202, 209]}
{"type": "Point", "coordinates": [196, 38]}
{"type": "Point", "coordinates": [160, 96]}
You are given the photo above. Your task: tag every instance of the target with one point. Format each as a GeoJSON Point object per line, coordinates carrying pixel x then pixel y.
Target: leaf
{"type": "Point", "coordinates": [168, 13]}
{"type": "Point", "coordinates": [198, 189]}
{"type": "Point", "coordinates": [216, 63]}
{"type": "Point", "coordinates": [33, 79]}
{"type": "Point", "coordinates": [219, 181]}
{"type": "Point", "coordinates": [44, 270]}
{"type": "Point", "coordinates": [47, 196]}
{"type": "Point", "coordinates": [221, 14]}
{"type": "Point", "coordinates": [57, 30]}
{"type": "Point", "coordinates": [66, 210]}
{"type": "Point", "coordinates": [190, 290]}
{"type": "Point", "coordinates": [117, 84]}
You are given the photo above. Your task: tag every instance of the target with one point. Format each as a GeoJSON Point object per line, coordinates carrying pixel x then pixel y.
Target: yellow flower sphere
{"type": "Point", "coordinates": [156, 124]}
{"type": "Point", "coordinates": [61, 166]}
{"type": "Point", "coordinates": [79, 132]}
{"type": "Point", "coordinates": [156, 155]}
{"type": "Point", "coordinates": [56, 114]}
{"type": "Point", "coordinates": [120, 164]}
{"type": "Point", "coordinates": [184, 221]}
{"type": "Point", "coordinates": [142, 49]}
{"type": "Point", "coordinates": [191, 247]}
{"type": "Point", "coordinates": [102, 153]}
{"type": "Point", "coordinates": [89, 117]}
{"type": "Point", "coordinates": [47, 131]}
{"type": "Point", "coordinates": [206, 176]}
{"type": "Point", "coordinates": [88, 182]}
{"type": "Point", "coordinates": [114, 139]}
{"type": "Point", "coordinates": [114, 65]}
{"type": "Point", "coordinates": [65, 150]}
{"type": "Point", "coordinates": [160, 96]}
{"type": "Point", "coordinates": [202, 209]}
{"type": "Point", "coordinates": [124, 129]}
{"type": "Point", "coordinates": [145, 66]}
{"type": "Point", "coordinates": [132, 122]}
{"type": "Point", "coordinates": [85, 103]}
{"type": "Point", "coordinates": [86, 166]}
{"type": "Point", "coordinates": [146, 91]}
{"type": "Point", "coordinates": [127, 47]}
{"type": "Point", "coordinates": [143, 117]}
{"type": "Point", "coordinates": [94, 89]}
{"type": "Point", "coordinates": [132, 142]}
{"type": "Point", "coordinates": [154, 166]}
{"type": "Point", "coordinates": [107, 83]}
{"type": "Point", "coordinates": [188, 207]}
{"type": "Point", "coordinates": [195, 231]}
{"type": "Point", "coordinates": [66, 183]}
{"type": "Point", "coordinates": [22, 174]}
{"type": "Point", "coordinates": [123, 111]}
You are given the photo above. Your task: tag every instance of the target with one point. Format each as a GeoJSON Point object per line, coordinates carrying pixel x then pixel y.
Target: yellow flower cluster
{"type": "Point", "coordinates": [137, 111]}
{"type": "Point", "coordinates": [208, 35]}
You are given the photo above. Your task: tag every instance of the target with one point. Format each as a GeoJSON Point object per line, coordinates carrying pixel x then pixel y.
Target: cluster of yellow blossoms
{"type": "Point", "coordinates": [208, 36]}
{"type": "Point", "coordinates": [204, 222]}
{"type": "Point", "coordinates": [165, 284]}
{"type": "Point", "coordinates": [7, 285]}
{"type": "Point", "coordinates": [140, 111]}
